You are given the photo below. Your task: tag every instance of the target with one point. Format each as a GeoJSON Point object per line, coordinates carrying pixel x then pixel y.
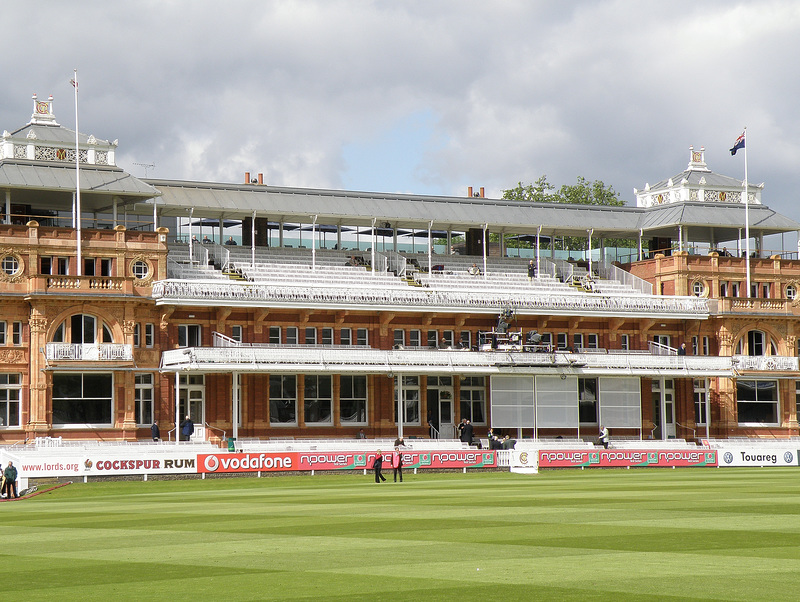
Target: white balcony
{"type": "Point", "coordinates": [765, 363]}
{"type": "Point", "coordinates": [364, 360]}
{"type": "Point", "coordinates": [89, 352]}
{"type": "Point", "coordinates": [403, 297]}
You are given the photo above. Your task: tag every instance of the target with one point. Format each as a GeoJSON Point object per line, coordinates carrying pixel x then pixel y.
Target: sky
{"type": "Point", "coordinates": [419, 96]}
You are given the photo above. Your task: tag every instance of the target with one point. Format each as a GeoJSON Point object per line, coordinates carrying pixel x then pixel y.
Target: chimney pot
{"type": "Point", "coordinates": [469, 191]}
{"type": "Point", "coordinates": [261, 178]}
{"type": "Point", "coordinates": [482, 194]}
{"type": "Point", "coordinates": [247, 177]}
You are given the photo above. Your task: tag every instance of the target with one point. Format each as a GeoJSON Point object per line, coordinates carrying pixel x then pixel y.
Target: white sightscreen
{"type": "Point", "coordinates": [620, 402]}
{"type": "Point", "coordinates": [557, 402]}
{"type": "Point", "coordinates": [512, 402]}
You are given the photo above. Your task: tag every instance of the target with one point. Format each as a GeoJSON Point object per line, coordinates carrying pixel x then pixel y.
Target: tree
{"type": "Point", "coordinates": [583, 192]}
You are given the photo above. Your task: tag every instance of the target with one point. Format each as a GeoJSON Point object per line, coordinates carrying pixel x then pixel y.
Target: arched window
{"type": "Point", "coordinates": [82, 328]}
{"type": "Point", "coordinates": [756, 343]}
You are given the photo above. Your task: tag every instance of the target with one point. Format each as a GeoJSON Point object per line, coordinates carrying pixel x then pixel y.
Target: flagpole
{"type": "Point", "coordinates": [746, 217]}
{"type": "Point", "coordinates": [79, 270]}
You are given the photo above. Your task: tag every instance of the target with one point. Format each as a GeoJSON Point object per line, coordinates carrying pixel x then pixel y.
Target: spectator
{"type": "Point", "coordinates": [725, 252]}
{"type": "Point", "coordinates": [194, 239]}
{"type": "Point", "coordinates": [230, 241]}
{"type": "Point", "coordinates": [508, 442]}
{"type": "Point", "coordinates": [531, 270]}
{"type": "Point", "coordinates": [474, 270]}
{"type": "Point", "coordinates": [155, 431]}
{"type": "Point", "coordinates": [466, 431]}
{"type": "Point", "coordinates": [682, 349]}
{"type": "Point", "coordinates": [604, 436]}
{"type": "Point", "coordinates": [10, 481]}
{"type": "Point", "coordinates": [187, 429]}
{"type": "Point", "coordinates": [361, 434]}
{"type": "Point", "coordinates": [206, 240]}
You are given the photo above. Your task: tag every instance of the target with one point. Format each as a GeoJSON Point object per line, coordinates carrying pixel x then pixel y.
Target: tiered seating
{"type": "Point", "coordinates": [195, 267]}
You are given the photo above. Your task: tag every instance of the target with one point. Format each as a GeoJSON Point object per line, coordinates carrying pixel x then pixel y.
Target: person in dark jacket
{"type": "Point", "coordinates": [10, 483]}
{"type": "Point", "coordinates": [531, 270]}
{"type": "Point", "coordinates": [187, 429]}
{"type": "Point", "coordinates": [378, 465]}
{"type": "Point", "coordinates": [467, 432]}
{"type": "Point", "coordinates": [155, 431]}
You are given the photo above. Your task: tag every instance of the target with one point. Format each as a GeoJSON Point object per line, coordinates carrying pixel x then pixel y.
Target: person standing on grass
{"type": "Point", "coordinates": [604, 436]}
{"type": "Point", "coordinates": [378, 465]}
{"type": "Point", "coordinates": [397, 464]}
{"type": "Point", "coordinates": [10, 481]}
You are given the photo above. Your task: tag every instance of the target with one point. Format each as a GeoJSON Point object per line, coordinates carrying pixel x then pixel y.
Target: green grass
{"type": "Point", "coordinates": [703, 534]}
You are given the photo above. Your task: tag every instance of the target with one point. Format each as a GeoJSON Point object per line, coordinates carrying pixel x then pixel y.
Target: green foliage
{"type": "Point", "coordinates": [651, 534]}
{"type": "Point", "coordinates": [583, 192]}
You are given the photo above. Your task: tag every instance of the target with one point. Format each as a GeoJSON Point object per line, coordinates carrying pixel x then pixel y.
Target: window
{"type": "Point", "coordinates": [547, 338]}
{"type": "Point", "coordinates": [706, 346]}
{"type": "Point", "coordinates": [137, 331]}
{"type": "Point", "coordinates": [46, 264]}
{"type": "Point", "coordinates": [433, 338]}
{"type": "Point", "coordinates": [791, 291]}
{"type": "Point", "coordinates": [318, 399]}
{"type": "Point", "coordinates": [10, 389]}
{"type": "Point", "coordinates": [577, 341]}
{"type": "Point", "coordinates": [77, 329]}
{"type": "Point", "coordinates": [88, 266]}
{"type": "Point", "coordinates": [700, 396]}
{"type": "Point", "coordinates": [275, 335]}
{"type": "Point", "coordinates": [466, 339]}
{"type": "Point", "coordinates": [410, 399]}
{"type": "Point", "coordinates": [399, 338]}
{"type": "Point", "coordinates": [593, 341]}
{"type": "Point", "coordinates": [723, 289]}
{"type": "Point", "coordinates": [353, 399]}
{"type": "Point", "coordinates": [346, 336]}
{"type": "Point", "coordinates": [16, 334]}
{"type": "Point", "coordinates": [311, 335]}
{"type": "Point", "coordinates": [189, 335]}
{"type": "Point", "coordinates": [149, 335]}
{"type": "Point", "coordinates": [698, 288]}
{"type": "Point", "coordinates": [756, 343]}
{"type": "Point", "coordinates": [291, 335]}
{"type": "Point", "coordinates": [10, 264]}
{"type": "Point", "coordinates": [587, 400]}
{"type": "Point", "coordinates": [327, 336]}
{"type": "Point", "coordinates": [361, 336]}
{"type": "Point", "coordinates": [140, 270]}
{"type": "Point", "coordinates": [473, 399]}
{"type": "Point", "coordinates": [82, 398]}
{"type": "Point", "coordinates": [662, 339]}
{"type": "Point", "coordinates": [695, 345]}
{"type": "Point", "coordinates": [734, 289]}
{"type": "Point", "coordinates": [282, 399]}
{"type": "Point", "coordinates": [143, 396]}
{"type": "Point", "coordinates": [625, 342]}
{"type": "Point", "coordinates": [105, 266]}
{"type": "Point", "coordinates": [561, 340]}
{"type": "Point", "coordinates": [3, 327]}
{"type": "Point", "coordinates": [236, 333]}
{"type": "Point", "coordinates": [414, 338]}
{"type": "Point", "coordinates": [447, 337]}
{"type": "Point", "coordinates": [757, 402]}
{"type": "Point", "coordinates": [62, 266]}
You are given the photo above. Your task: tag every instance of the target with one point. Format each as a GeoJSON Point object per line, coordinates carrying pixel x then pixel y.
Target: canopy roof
{"type": "Point", "coordinates": [713, 222]}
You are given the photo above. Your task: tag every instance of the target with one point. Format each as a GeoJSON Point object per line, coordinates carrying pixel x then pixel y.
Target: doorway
{"type": "Point", "coordinates": [440, 407]}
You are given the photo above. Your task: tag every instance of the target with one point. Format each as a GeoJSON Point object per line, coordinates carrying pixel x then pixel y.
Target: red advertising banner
{"type": "Point", "coordinates": [624, 458]}
{"type": "Point", "coordinates": [340, 460]}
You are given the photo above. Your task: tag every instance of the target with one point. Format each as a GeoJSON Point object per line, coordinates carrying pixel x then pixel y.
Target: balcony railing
{"type": "Point", "coordinates": [179, 291]}
{"type": "Point", "coordinates": [89, 352]}
{"type": "Point", "coordinates": [287, 358]}
{"type": "Point", "coordinates": [766, 363]}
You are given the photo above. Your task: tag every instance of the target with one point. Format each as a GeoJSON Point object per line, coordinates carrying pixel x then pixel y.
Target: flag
{"type": "Point", "coordinates": [74, 83]}
{"type": "Point", "coordinates": [738, 144]}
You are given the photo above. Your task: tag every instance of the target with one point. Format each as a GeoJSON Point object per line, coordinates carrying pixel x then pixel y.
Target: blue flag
{"type": "Point", "coordinates": [738, 144]}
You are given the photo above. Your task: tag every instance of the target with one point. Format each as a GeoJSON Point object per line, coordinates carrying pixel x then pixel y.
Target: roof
{"type": "Point", "coordinates": [716, 222]}
{"type": "Point", "coordinates": [28, 179]}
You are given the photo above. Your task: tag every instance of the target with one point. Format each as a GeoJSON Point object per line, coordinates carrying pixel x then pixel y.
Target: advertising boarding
{"type": "Point", "coordinates": [627, 458]}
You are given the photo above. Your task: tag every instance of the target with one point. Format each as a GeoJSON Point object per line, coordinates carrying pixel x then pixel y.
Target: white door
{"type": "Point", "coordinates": [192, 404]}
